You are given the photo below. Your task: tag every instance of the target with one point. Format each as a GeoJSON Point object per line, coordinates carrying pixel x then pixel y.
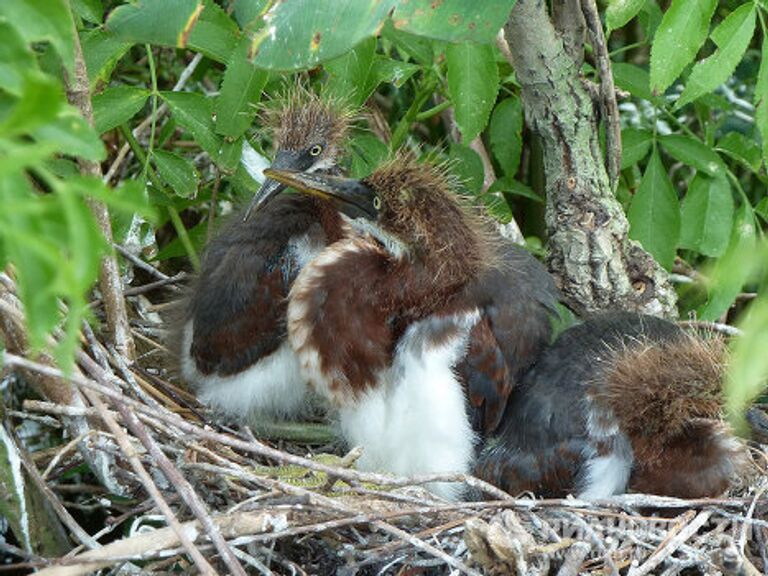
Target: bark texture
{"type": "Point", "coordinates": [596, 265]}
{"type": "Point", "coordinates": [110, 284]}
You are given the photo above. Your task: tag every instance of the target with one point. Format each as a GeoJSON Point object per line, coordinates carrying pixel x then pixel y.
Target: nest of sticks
{"type": "Point", "coordinates": [167, 489]}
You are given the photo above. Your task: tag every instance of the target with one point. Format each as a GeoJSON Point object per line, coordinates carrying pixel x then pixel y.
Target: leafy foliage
{"type": "Point", "coordinates": [429, 76]}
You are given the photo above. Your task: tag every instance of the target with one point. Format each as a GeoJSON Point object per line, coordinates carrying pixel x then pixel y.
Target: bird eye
{"type": "Point", "coordinates": [377, 202]}
{"type": "Point", "coordinates": [315, 150]}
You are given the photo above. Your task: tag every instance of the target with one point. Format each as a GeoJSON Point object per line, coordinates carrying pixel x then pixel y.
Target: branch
{"type": "Point", "coordinates": [54, 388]}
{"type": "Point", "coordinates": [110, 284]}
{"type": "Point", "coordinates": [608, 106]}
{"type": "Point", "coordinates": [143, 545]}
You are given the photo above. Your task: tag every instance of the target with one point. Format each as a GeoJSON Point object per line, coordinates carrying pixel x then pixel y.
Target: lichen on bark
{"type": "Point", "coordinates": [590, 254]}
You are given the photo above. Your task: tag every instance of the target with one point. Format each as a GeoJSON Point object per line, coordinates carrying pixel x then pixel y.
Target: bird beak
{"type": "Point", "coordinates": [350, 196]}
{"type": "Point", "coordinates": [284, 160]}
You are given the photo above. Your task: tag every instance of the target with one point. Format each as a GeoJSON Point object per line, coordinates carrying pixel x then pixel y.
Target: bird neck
{"type": "Point", "coordinates": [329, 220]}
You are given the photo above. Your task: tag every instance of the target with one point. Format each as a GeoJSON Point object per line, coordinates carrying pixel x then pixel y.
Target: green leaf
{"type": "Point", "coordinates": [453, 20]}
{"type": "Point", "coordinates": [762, 209]}
{"type": "Point", "coordinates": [468, 166]}
{"type": "Point", "coordinates": [15, 59]}
{"type": "Point", "coordinates": [416, 47]}
{"type": "Point", "coordinates": [40, 102]}
{"type": "Point", "coordinates": [633, 79]}
{"type": "Point", "coordinates": [89, 10]}
{"type": "Point", "coordinates": [130, 197]}
{"type": "Point", "coordinates": [368, 152]}
{"type": "Point", "coordinates": [300, 35]}
{"type": "Point", "coordinates": [102, 51]}
{"type": "Point", "coordinates": [115, 106]}
{"type": "Point", "coordinates": [72, 135]}
{"type": "Point", "coordinates": [194, 112]}
{"type": "Point", "coordinates": [761, 100]}
{"type": "Point", "coordinates": [635, 145]}
{"type": "Point", "coordinates": [619, 12]}
{"type": "Point", "coordinates": [505, 134]}
{"type": "Point", "coordinates": [743, 149]}
{"type": "Point", "coordinates": [497, 206]}
{"type": "Point", "coordinates": [178, 172]}
{"type": "Point", "coordinates": [707, 215]}
{"type": "Point", "coordinates": [732, 37]}
{"type": "Point", "coordinates": [682, 32]}
{"type": "Point", "coordinates": [396, 72]}
{"type": "Point", "coordinates": [248, 12]}
{"type": "Point", "coordinates": [240, 91]}
{"type": "Point", "coordinates": [748, 363]}
{"type": "Point", "coordinates": [654, 214]}
{"type": "Point", "coordinates": [473, 82]}
{"type": "Point", "coordinates": [350, 76]}
{"type": "Point", "coordinates": [199, 25]}
{"type": "Point", "coordinates": [732, 270]}
{"type": "Point", "coordinates": [695, 153]}
{"type": "Point", "coordinates": [44, 21]}
{"type": "Point", "coordinates": [511, 186]}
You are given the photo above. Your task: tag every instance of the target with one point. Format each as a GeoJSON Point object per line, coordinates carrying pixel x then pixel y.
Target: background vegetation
{"type": "Point", "coordinates": [174, 141]}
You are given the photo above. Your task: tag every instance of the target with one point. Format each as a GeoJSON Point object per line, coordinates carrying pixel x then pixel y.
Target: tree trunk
{"type": "Point", "coordinates": [596, 265]}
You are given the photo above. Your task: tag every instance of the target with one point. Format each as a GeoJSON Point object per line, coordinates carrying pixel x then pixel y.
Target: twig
{"type": "Point", "coordinates": [149, 485]}
{"type": "Point", "coordinates": [574, 558]}
{"type": "Point", "coordinates": [139, 263]}
{"type": "Point", "coordinates": [712, 326]}
{"type": "Point", "coordinates": [143, 545]}
{"type": "Point", "coordinates": [608, 105]}
{"type": "Point", "coordinates": [183, 487]}
{"type": "Point", "coordinates": [78, 94]}
{"type": "Point", "coordinates": [123, 152]}
{"type": "Point", "coordinates": [673, 544]}
{"type": "Point", "coordinates": [56, 504]}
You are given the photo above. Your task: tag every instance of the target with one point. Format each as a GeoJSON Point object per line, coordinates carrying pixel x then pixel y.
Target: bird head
{"type": "Point", "coordinates": [309, 135]}
{"type": "Point", "coordinates": [411, 209]}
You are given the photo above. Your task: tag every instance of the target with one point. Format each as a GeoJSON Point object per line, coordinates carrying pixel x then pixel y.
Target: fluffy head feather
{"type": "Point", "coordinates": [304, 119]}
{"type": "Point", "coordinates": [659, 389]}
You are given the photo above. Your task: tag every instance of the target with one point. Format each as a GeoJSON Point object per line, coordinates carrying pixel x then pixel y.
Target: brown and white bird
{"type": "Point", "coordinates": [620, 402]}
{"type": "Point", "coordinates": [394, 326]}
{"type": "Point", "coordinates": [234, 348]}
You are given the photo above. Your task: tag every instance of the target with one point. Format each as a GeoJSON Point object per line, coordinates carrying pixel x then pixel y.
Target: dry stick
{"type": "Point", "coordinates": [78, 94]}
{"type": "Point", "coordinates": [712, 326]}
{"type": "Point", "coordinates": [163, 538]}
{"type": "Point", "coordinates": [183, 78]}
{"type": "Point", "coordinates": [505, 500]}
{"type": "Point", "coordinates": [139, 263]}
{"type": "Point", "coordinates": [333, 504]}
{"type": "Point", "coordinates": [255, 447]}
{"type": "Point", "coordinates": [54, 388]}
{"type": "Point", "coordinates": [608, 105]}
{"type": "Point", "coordinates": [574, 558]}
{"type": "Point", "coordinates": [183, 487]}
{"type": "Point", "coordinates": [660, 555]}
{"type": "Point", "coordinates": [55, 503]}
{"type": "Point", "coordinates": [149, 485]}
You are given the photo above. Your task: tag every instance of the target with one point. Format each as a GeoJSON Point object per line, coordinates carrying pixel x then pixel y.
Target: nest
{"type": "Point", "coordinates": [199, 497]}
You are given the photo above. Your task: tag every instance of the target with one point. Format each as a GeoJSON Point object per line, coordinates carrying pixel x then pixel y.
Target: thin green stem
{"type": "Point", "coordinates": [422, 95]}
{"type": "Point", "coordinates": [153, 77]}
{"type": "Point", "coordinates": [178, 225]}
{"type": "Point", "coordinates": [184, 237]}
{"type": "Point", "coordinates": [434, 111]}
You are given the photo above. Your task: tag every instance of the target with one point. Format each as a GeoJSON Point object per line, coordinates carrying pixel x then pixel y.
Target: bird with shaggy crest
{"type": "Point", "coordinates": [620, 402]}
{"type": "Point", "coordinates": [234, 350]}
{"type": "Point", "coordinates": [396, 327]}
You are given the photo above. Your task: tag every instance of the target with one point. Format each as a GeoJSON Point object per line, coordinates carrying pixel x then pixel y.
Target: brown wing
{"type": "Point", "coordinates": [238, 304]}
{"type": "Point", "coordinates": [486, 378]}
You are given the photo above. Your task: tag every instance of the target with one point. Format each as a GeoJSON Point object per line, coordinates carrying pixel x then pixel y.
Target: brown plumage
{"type": "Point", "coordinates": [303, 119]}
{"type": "Point", "coordinates": [620, 402]}
{"type": "Point", "coordinates": [410, 326]}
